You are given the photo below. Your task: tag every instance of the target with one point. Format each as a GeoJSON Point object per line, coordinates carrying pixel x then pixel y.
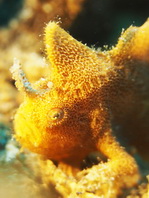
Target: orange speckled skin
{"type": "Point", "coordinates": [95, 96]}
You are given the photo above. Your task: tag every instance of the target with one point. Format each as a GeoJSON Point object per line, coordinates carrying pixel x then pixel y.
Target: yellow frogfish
{"type": "Point", "coordinates": [89, 98]}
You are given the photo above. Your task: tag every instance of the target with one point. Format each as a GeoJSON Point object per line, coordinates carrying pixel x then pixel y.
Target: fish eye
{"type": "Point", "coordinates": [56, 114]}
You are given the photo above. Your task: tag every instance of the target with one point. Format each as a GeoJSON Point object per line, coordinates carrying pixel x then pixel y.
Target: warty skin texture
{"type": "Point", "coordinates": [94, 96]}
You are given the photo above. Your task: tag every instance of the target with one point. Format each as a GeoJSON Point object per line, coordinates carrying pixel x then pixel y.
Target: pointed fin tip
{"type": "Point", "coordinates": [51, 26]}
{"type": "Point", "coordinates": [50, 31]}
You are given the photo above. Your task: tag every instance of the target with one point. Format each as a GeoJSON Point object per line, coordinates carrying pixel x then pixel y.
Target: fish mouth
{"type": "Point", "coordinates": [26, 133]}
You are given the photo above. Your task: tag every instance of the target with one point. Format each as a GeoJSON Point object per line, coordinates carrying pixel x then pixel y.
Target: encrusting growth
{"type": "Point", "coordinates": [93, 98]}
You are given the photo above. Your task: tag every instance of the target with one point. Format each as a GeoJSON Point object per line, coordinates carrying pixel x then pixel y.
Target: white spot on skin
{"type": "Point", "coordinates": [50, 84]}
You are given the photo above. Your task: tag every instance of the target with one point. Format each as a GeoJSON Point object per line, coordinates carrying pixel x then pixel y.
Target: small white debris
{"type": "Point", "coordinates": [11, 151]}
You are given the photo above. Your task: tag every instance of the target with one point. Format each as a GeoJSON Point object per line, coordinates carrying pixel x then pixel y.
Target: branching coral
{"type": "Point", "coordinates": [36, 13]}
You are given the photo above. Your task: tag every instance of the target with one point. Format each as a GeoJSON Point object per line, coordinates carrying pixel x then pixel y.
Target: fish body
{"type": "Point", "coordinates": [88, 100]}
